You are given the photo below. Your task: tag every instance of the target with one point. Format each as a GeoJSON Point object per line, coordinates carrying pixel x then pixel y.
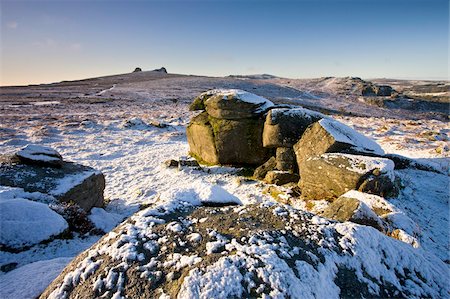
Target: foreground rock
{"type": "Point", "coordinates": [229, 132]}
{"type": "Point", "coordinates": [69, 182]}
{"type": "Point", "coordinates": [330, 136]}
{"type": "Point", "coordinates": [330, 175]}
{"type": "Point", "coordinates": [247, 251]}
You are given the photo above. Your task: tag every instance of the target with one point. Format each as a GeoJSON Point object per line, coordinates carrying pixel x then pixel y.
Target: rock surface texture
{"type": "Point", "coordinates": [245, 252]}
{"type": "Point", "coordinates": [330, 175]}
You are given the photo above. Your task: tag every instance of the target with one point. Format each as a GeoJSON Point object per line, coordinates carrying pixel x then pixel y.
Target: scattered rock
{"type": "Point", "coordinates": [161, 70]}
{"type": "Point", "coordinates": [40, 155]}
{"type": "Point", "coordinates": [70, 182]}
{"type": "Point", "coordinates": [261, 171]}
{"type": "Point", "coordinates": [286, 160]}
{"type": "Point", "coordinates": [279, 178]}
{"type": "Point", "coordinates": [330, 136]}
{"type": "Point", "coordinates": [351, 209]}
{"type": "Point", "coordinates": [328, 176]}
{"type": "Point", "coordinates": [284, 126]}
{"type": "Point", "coordinates": [136, 70]}
{"type": "Point", "coordinates": [181, 163]}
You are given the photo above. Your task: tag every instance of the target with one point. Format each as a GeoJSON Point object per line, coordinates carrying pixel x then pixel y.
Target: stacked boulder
{"type": "Point", "coordinates": [229, 131]}
{"type": "Point", "coordinates": [325, 157]}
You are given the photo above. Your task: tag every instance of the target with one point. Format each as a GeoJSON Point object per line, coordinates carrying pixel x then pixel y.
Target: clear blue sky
{"type": "Point", "coordinates": [48, 41]}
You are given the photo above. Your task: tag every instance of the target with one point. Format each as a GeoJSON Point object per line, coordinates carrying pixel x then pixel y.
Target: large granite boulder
{"type": "Point", "coordinates": [69, 182]}
{"type": "Point", "coordinates": [247, 252]}
{"type": "Point", "coordinates": [331, 136]}
{"type": "Point", "coordinates": [235, 104]}
{"type": "Point", "coordinates": [284, 126]}
{"type": "Point", "coordinates": [229, 132]}
{"type": "Point", "coordinates": [330, 175]}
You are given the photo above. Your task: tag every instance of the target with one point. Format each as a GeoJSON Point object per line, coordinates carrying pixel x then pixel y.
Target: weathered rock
{"type": "Point", "coordinates": [40, 155]}
{"type": "Point", "coordinates": [234, 104]}
{"type": "Point", "coordinates": [286, 159]}
{"type": "Point", "coordinates": [256, 249]}
{"type": "Point", "coordinates": [201, 141]}
{"type": "Point", "coordinates": [181, 163]}
{"type": "Point", "coordinates": [330, 175]}
{"type": "Point", "coordinates": [351, 209]}
{"type": "Point", "coordinates": [224, 141]}
{"type": "Point", "coordinates": [137, 70]}
{"type": "Point", "coordinates": [279, 178]}
{"type": "Point", "coordinates": [239, 142]}
{"type": "Point", "coordinates": [71, 182]}
{"type": "Point", "coordinates": [284, 126]}
{"type": "Point", "coordinates": [161, 70]}
{"type": "Point", "coordinates": [330, 136]}
{"type": "Point", "coordinates": [199, 102]}
{"type": "Point", "coordinates": [261, 171]}
{"type": "Point", "coordinates": [384, 90]}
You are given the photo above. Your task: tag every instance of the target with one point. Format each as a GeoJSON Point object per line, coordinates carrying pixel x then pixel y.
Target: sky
{"type": "Point", "coordinates": [51, 41]}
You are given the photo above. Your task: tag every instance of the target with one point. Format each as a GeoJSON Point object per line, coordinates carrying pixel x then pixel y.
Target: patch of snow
{"type": "Point", "coordinates": [24, 222]}
{"type": "Point", "coordinates": [22, 283]}
{"type": "Point", "coordinates": [39, 153]}
{"type": "Point", "coordinates": [104, 220]}
{"type": "Point", "coordinates": [244, 96]}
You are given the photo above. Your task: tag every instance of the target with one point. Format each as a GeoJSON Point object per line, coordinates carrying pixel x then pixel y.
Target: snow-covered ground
{"type": "Point", "coordinates": [131, 155]}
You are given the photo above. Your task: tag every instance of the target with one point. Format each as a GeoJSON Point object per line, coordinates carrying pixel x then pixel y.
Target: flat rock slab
{"type": "Point", "coordinates": [80, 184]}
{"type": "Point", "coordinates": [331, 136]}
{"type": "Point", "coordinates": [328, 176]}
{"type": "Point", "coordinates": [284, 126]}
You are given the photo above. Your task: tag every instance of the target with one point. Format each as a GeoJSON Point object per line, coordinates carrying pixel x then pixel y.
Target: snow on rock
{"type": "Point", "coordinates": [243, 96]}
{"type": "Point", "coordinates": [291, 254]}
{"type": "Point", "coordinates": [7, 193]}
{"type": "Point", "coordinates": [68, 182]}
{"type": "Point", "coordinates": [40, 155]}
{"type": "Point", "coordinates": [343, 133]}
{"type": "Point", "coordinates": [24, 223]}
{"type": "Point", "coordinates": [22, 283]}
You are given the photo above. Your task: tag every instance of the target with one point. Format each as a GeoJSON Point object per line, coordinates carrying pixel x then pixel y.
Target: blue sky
{"type": "Point", "coordinates": [48, 41]}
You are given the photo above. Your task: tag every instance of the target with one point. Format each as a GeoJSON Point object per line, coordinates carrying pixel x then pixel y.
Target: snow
{"type": "Point", "coordinates": [131, 161]}
{"type": "Point", "coordinates": [30, 280]}
{"type": "Point", "coordinates": [24, 222]}
{"type": "Point", "coordinates": [345, 134]}
{"type": "Point", "coordinates": [104, 220]}
{"type": "Point", "coordinates": [295, 112]}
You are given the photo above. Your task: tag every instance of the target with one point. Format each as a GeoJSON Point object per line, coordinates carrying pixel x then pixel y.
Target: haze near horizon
{"type": "Point", "coordinates": [50, 41]}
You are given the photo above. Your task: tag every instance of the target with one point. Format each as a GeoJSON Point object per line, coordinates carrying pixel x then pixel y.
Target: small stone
{"type": "Point", "coordinates": [279, 178]}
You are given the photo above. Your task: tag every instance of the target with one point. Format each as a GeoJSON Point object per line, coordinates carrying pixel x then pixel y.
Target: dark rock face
{"type": "Point", "coordinates": [256, 249]}
{"type": "Point", "coordinates": [284, 126]}
{"type": "Point", "coordinates": [137, 70]}
{"type": "Point", "coordinates": [70, 182]}
{"type": "Point", "coordinates": [261, 171]}
{"type": "Point", "coordinates": [385, 90]}
{"type": "Point", "coordinates": [286, 160]}
{"type": "Point", "coordinates": [279, 178]}
{"type": "Point", "coordinates": [162, 70]}
{"type": "Point", "coordinates": [330, 175]}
